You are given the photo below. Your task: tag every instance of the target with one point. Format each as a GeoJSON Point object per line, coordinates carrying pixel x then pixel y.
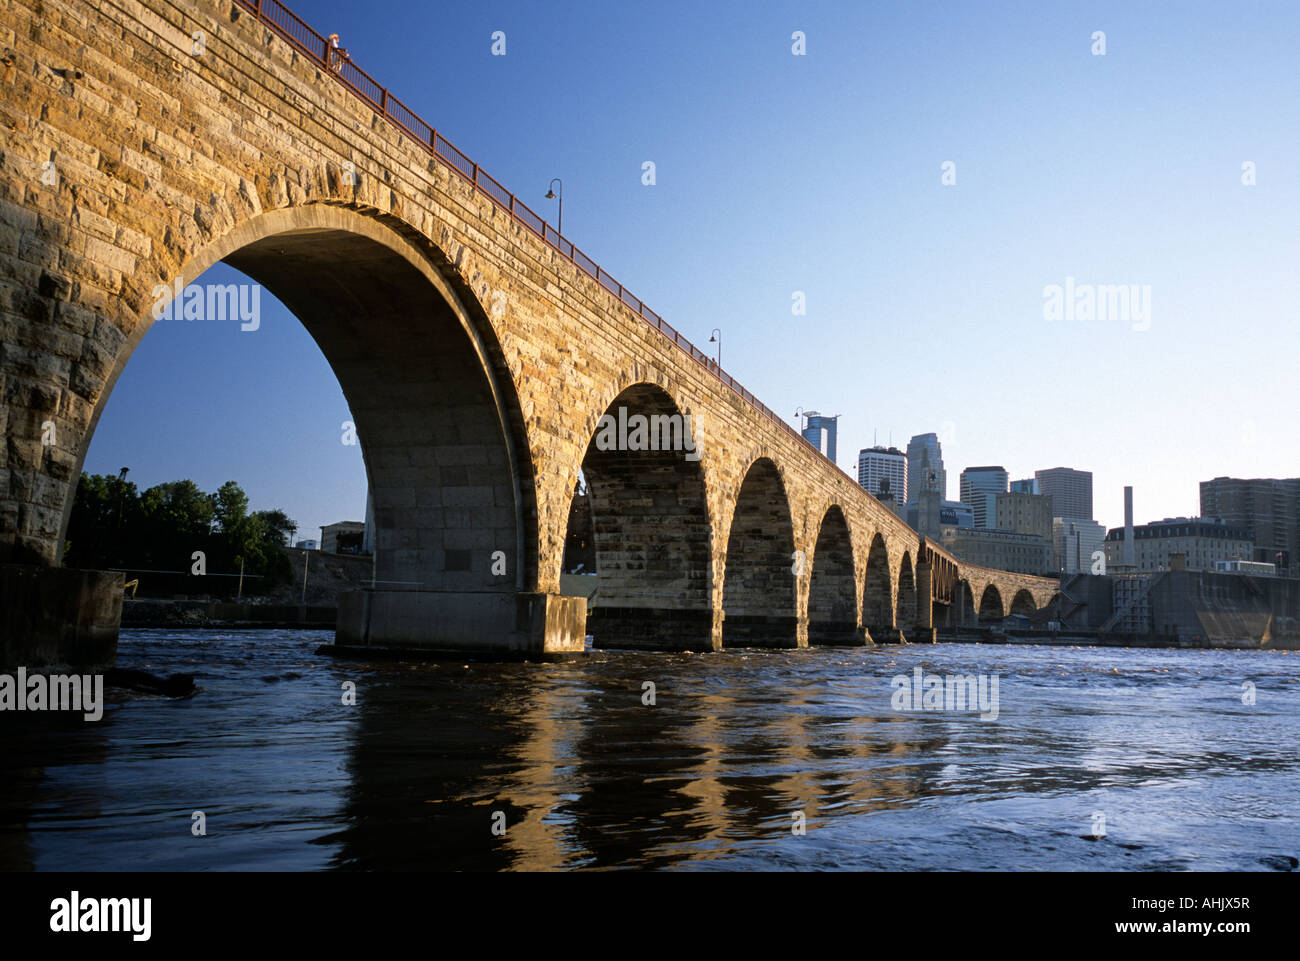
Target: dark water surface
{"type": "Point", "coordinates": [711, 776]}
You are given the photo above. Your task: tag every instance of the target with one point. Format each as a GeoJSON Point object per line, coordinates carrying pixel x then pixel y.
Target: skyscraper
{"type": "Point", "coordinates": [1074, 542]}
{"type": "Point", "coordinates": [980, 487]}
{"type": "Point", "coordinates": [882, 472]}
{"type": "Point", "coordinates": [915, 447]}
{"type": "Point", "coordinates": [1070, 490]}
{"type": "Point", "coordinates": [819, 430]}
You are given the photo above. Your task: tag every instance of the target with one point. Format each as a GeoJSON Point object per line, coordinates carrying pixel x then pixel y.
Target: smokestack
{"type": "Point", "coordinates": [1130, 549]}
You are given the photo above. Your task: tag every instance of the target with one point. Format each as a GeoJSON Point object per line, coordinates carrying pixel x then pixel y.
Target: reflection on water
{"type": "Point", "coordinates": [736, 751]}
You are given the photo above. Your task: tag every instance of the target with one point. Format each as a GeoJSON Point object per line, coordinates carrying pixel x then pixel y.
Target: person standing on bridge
{"type": "Point", "coordinates": [337, 54]}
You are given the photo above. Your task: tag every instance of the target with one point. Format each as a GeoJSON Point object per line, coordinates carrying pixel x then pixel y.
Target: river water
{"type": "Point", "coordinates": [1098, 759]}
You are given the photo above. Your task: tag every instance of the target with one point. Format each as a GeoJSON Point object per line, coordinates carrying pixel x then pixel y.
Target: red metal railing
{"type": "Point", "coordinates": [311, 44]}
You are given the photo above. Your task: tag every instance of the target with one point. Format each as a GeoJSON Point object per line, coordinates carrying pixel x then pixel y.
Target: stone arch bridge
{"type": "Point", "coordinates": [145, 141]}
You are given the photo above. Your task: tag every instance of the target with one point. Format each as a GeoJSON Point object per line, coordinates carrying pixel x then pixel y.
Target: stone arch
{"type": "Point", "coordinates": [436, 413]}
{"type": "Point", "coordinates": [877, 591]}
{"type": "Point", "coordinates": [905, 617]}
{"type": "Point", "coordinates": [991, 608]}
{"type": "Point", "coordinates": [1023, 602]}
{"type": "Point", "coordinates": [651, 526]}
{"type": "Point", "coordinates": [585, 422]}
{"type": "Point", "coordinates": [832, 588]}
{"type": "Point", "coordinates": [759, 591]}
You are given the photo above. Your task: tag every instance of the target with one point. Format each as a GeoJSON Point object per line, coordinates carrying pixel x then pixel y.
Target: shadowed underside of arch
{"type": "Point", "coordinates": [1023, 603]}
{"type": "Point", "coordinates": [877, 593]}
{"type": "Point", "coordinates": [650, 522]}
{"type": "Point", "coordinates": [906, 616]}
{"type": "Point", "coordinates": [758, 593]}
{"type": "Point", "coordinates": [991, 609]}
{"type": "Point", "coordinates": [832, 593]}
{"type": "Point", "coordinates": [446, 486]}
{"type": "Point", "coordinates": [448, 467]}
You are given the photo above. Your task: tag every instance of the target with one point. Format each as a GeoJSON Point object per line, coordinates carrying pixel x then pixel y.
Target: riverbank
{"type": "Point", "coordinates": [203, 614]}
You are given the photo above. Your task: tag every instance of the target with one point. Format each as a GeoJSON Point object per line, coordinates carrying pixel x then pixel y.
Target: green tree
{"type": "Point", "coordinates": [279, 526]}
{"type": "Point", "coordinates": [176, 520]}
{"type": "Point", "coordinates": [230, 507]}
{"type": "Point", "coordinates": [179, 506]}
{"type": "Point", "coordinates": [113, 526]}
{"type": "Point", "coordinates": [105, 514]}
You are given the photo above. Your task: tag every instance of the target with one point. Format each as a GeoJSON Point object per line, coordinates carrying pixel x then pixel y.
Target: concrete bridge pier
{"type": "Point", "coordinates": [52, 615]}
{"type": "Point", "coordinates": [491, 621]}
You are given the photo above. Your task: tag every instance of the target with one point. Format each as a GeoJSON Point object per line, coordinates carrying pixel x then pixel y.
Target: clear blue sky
{"type": "Point", "coordinates": [821, 173]}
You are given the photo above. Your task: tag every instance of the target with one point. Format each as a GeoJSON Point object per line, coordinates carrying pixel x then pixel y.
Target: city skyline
{"type": "Point", "coordinates": [1037, 202]}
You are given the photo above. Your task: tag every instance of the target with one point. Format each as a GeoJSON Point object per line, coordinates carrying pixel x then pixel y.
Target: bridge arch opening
{"type": "Point", "coordinates": [907, 610]}
{"type": "Point", "coordinates": [651, 527]}
{"type": "Point", "coordinates": [759, 591]}
{"type": "Point", "coordinates": [991, 609]}
{"type": "Point", "coordinates": [1023, 602]}
{"type": "Point", "coordinates": [431, 404]}
{"type": "Point", "coordinates": [832, 592]}
{"type": "Point", "coordinates": [877, 592]}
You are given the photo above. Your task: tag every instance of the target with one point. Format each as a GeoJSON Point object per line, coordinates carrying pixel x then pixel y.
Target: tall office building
{"type": "Point", "coordinates": [882, 472]}
{"type": "Point", "coordinates": [916, 447]}
{"type": "Point", "coordinates": [1074, 542]}
{"type": "Point", "coordinates": [1027, 486]}
{"type": "Point", "coordinates": [1268, 508]}
{"type": "Point", "coordinates": [1070, 490]}
{"type": "Point", "coordinates": [819, 430]}
{"type": "Point", "coordinates": [980, 487]}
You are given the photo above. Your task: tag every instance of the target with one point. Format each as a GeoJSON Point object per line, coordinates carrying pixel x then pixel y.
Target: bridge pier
{"type": "Point", "coordinates": [887, 635]}
{"type": "Point", "coordinates": [764, 630]}
{"type": "Point", "coordinates": [655, 628]}
{"type": "Point", "coordinates": [54, 615]}
{"type": "Point", "coordinates": [837, 634]}
{"type": "Point", "coordinates": [488, 621]}
{"type": "Point", "coordinates": [923, 631]}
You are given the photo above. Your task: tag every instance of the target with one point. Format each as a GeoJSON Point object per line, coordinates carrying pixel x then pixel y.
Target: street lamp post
{"type": "Point", "coordinates": [716, 338]}
{"type": "Point", "coordinates": [552, 195]}
{"type": "Point", "coordinates": [121, 493]}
